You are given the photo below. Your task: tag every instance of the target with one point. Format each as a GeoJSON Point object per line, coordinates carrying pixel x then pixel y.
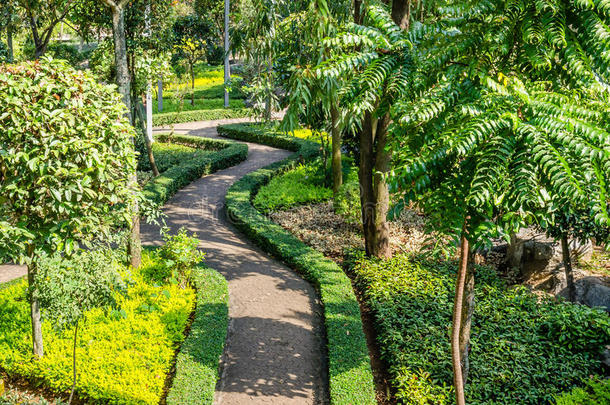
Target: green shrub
{"type": "Point", "coordinates": [218, 154]}
{"type": "Point", "coordinates": [171, 105]}
{"type": "Point", "coordinates": [164, 119]}
{"type": "Point", "coordinates": [197, 363]}
{"type": "Point", "coordinates": [124, 356]}
{"type": "Point", "coordinates": [597, 391]}
{"type": "Point", "coordinates": [524, 349]}
{"type": "Point", "coordinates": [180, 254]}
{"type": "Point", "coordinates": [166, 156]}
{"type": "Point", "coordinates": [298, 186]}
{"type": "Point", "coordinates": [350, 375]}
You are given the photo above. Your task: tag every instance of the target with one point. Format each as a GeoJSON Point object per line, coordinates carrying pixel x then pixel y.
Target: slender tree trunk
{"type": "Point", "coordinates": [37, 344]}
{"type": "Point", "coordinates": [382, 195]}
{"type": "Point", "coordinates": [160, 95]}
{"type": "Point", "coordinates": [120, 57]}
{"type": "Point", "coordinates": [567, 265]}
{"type": "Point", "coordinates": [358, 11]}
{"type": "Point", "coordinates": [460, 286]}
{"type": "Point", "coordinates": [467, 311]}
{"type": "Point", "coordinates": [365, 174]}
{"type": "Point", "coordinates": [74, 364]}
{"type": "Point", "coordinates": [9, 42]}
{"type": "Point", "coordinates": [134, 245]}
{"type": "Point", "coordinates": [336, 151]}
{"type": "Point", "coordinates": [149, 151]}
{"type": "Point", "coordinates": [192, 84]}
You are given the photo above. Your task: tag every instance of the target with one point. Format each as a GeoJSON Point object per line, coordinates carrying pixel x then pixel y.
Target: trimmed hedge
{"type": "Point", "coordinates": [198, 115]}
{"type": "Point", "coordinates": [227, 154]}
{"type": "Point", "coordinates": [350, 375]}
{"type": "Point", "coordinates": [197, 364]}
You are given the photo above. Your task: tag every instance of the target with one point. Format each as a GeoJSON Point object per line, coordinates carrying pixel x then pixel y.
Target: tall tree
{"type": "Point", "coordinates": [124, 83]}
{"type": "Point", "coordinates": [509, 103]}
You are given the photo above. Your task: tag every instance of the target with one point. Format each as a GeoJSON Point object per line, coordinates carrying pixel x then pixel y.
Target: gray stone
{"type": "Point", "coordinates": [594, 294]}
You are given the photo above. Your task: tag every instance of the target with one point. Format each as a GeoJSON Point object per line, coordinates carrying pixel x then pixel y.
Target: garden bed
{"type": "Point", "coordinates": [124, 356]}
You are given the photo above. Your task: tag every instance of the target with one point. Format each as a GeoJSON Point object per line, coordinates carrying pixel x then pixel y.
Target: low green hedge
{"type": "Point", "coordinates": [197, 363]}
{"type": "Point", "coordinates": [597, 391]}
{"type": "Point", "coordinates": [350, 375]}
{"type": "Point", "coordinates": [198, 115]}
{"type": "Point", "coordinates": [227, 154]}
{"type": "Point", "coordinates": [524, 349]}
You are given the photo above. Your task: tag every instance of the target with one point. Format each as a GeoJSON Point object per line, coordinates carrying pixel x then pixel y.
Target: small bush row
{"type": "Point", "coordinates": [198, 115]}
{"type": "Point", "coordinates": [524, 349]}
{"type": "Point", "coordinates": [197, 369]}
{"type": "Point", "coordinates": [226, 154]}
{"type": "Point", "coordinates": [350, 375]}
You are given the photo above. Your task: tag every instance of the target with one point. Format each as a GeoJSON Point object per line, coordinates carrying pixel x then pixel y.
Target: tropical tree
{"type": "Point", "coordinates": [194, 50]}
{"type": "Point", "coordinates": [508, 110]}
{"type": "Point", "coordinates": [66, 166]}
{"type": "Point", "coordinates": [375, 61]}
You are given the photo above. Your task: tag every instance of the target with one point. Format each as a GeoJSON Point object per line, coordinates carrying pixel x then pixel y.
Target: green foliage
{"type": "Point", "coordinates": [597, 391]}
{"type": "Point", "coordinates": [555, 345]}
{"type": "Point", "coordinates": [267, 135]}
{"type": "Point", "coordinates": [225, 154]}
{"type": "Point", "coordinates": [197, 363]}
{"type": "Point", "coordinates": [165, 119]}
{"type": "Point", "coordinates": [66, 159]}
{"type": "Point", "coordinates": [101, 61]}
{"type": "Point", "coordinates": [67, 288]}
{"type": "Point", "coordinates": [124, 355]}
{"type": "Point", "coordinates": [348, 200]}
{"type": "Point", "coordinates": [179, 256]}
{"type": "Point", "coordinates": [350, 376]}
{"type": "Point", "coordinates": [173, 105]}
{"type": "Point", "coordinates": [67, 52]}
{"type": "Point", "coordinates": [298, 186]}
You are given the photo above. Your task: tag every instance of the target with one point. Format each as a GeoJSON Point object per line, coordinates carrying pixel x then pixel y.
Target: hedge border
{"type": "Point", "coordinates": [226, 154]}
{"type": "Point", "coordinates": [198, 361]}
{"type": "Point", "coordinates": [350, 375]}
{"type": "Point", "coordinates": [162, 119]}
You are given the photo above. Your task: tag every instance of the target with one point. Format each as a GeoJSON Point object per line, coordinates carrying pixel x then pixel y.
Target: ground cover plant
{"type": "Point", "coordinates": [524, 349]}
{"type": "Point", "coordinates": [124, 356]}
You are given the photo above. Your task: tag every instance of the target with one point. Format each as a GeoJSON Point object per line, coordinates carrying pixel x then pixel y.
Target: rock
{"type": "Point", "coordinates": [594, 293]}
{"type": "Point", "coordinates": [606, 357]}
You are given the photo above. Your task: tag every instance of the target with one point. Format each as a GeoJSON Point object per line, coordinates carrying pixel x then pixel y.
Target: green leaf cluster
{"type": "Point", "coordinates": [66, 159]}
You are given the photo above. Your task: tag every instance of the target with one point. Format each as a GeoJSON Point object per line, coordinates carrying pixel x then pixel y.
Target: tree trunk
{"type": "Point", "coordinates": [382, 194]}
{"type": "Point", "coordinates": [456, 329]}
{"type": "Point", "coordinates": [365, 175]}
{"type": "Point", "coordinates": [357, 11]}
{"type": "Point", "coordinates": [37, 345]}
{"type": "Point", "coordinates": [9, 42]}
{"type": "Point", "coordinates": [567, 265]}
{"type": "Point", "coordinates": [467, 311]}
{"type": "Point", "coordinates": [160, 95]}
{"type": "Point", "coordinates": [74, 364]}
{"type": "Point", "coordinates": [120, 57]}
{"type": "Point", "coordinates": [149, 151]}
{"type": "Point", "coordinates": [401, 13]}
{"type": "Point", "coordinates": [192, 84]}
{"type": "Point", "coordinates": [134, 245]}
{"type": "Point", "coordinates": [336, 151]}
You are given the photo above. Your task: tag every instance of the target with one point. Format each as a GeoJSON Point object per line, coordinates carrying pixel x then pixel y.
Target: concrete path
{"type": "Point", "coordinates": [275, 352]}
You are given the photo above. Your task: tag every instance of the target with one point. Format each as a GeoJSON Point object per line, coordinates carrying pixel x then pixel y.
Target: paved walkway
{"type": "Point", "coordinates": [275, 351]}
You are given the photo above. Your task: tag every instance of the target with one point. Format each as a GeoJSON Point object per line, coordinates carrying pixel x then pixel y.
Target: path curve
{"type": "Point", "coordinates": [275, 351]}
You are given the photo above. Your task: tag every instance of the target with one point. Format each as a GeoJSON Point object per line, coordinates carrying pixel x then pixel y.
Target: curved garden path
{"type": "Point", "coordinates": [275, 351]}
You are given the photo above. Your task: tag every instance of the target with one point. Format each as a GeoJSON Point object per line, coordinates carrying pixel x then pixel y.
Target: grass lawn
{"type": "Point", "coordinates": [209, 92]}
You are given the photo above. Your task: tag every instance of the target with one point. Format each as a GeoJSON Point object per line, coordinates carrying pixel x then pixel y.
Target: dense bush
{"type": "Point", "coordinates": [524, 349]}
{"type": "Point", "coordinates": [225, 154]}
{"type": "Point", "coordinates": [124, 356]}
{"type": "Point", "coordinates": [179, 255]}
{"type": "Point", "coordinates": [166, 156]}
{"type": "Point", "coordinates": [197, 115]}
{"type": "Point", "coordinates": [350, 376]}
{"type": "Point", "coordinates": [171, 105]}
{"type": "Point", "coordinates": [303, 184]}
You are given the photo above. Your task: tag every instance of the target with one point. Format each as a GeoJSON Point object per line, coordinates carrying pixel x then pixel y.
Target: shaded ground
{"type": "Point", "coordinates": [275, 350]}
